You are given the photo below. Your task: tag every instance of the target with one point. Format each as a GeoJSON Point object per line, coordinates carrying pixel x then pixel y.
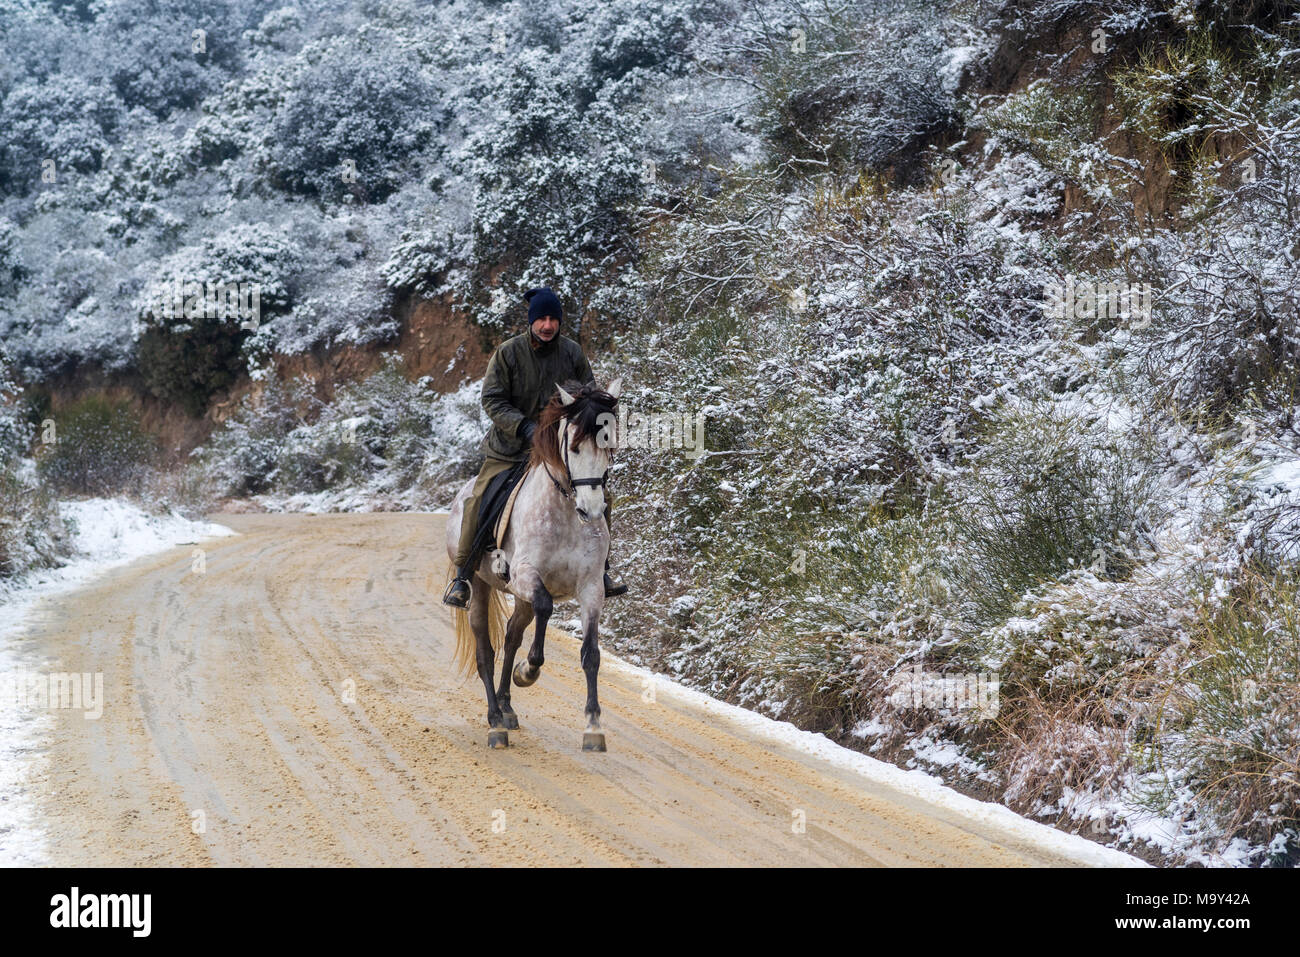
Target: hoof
{"type": "Point", "coordinates": [512, 722]}
{"type": "Point", "coordinates": [521, 678]}
{"type": "Point", "coordinates": [498, 739]}
{"type": "Point", "coordinates": [593, 741]}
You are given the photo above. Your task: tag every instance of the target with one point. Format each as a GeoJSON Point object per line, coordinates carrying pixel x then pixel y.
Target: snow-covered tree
{"type": "Point", "coordinates": [353, 120]}
{"type": "Point", "coordinates": [552, 185]}
{"type": "Point", "coordinates": [61, 125]}
{"type": "Point", "coordinates": [166, 55]}
{"type": "Point", "coordinates": [200, 306]}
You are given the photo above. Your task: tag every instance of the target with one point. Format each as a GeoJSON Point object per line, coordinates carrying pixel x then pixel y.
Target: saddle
{"type": "Point", "coordinates": [503, 520]}
{"type": "Point", "coordinates": [494, 510]}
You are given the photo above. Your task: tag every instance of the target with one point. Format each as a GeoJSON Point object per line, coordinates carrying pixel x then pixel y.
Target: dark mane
{"type": "Point", "coordinates": [590, 402]}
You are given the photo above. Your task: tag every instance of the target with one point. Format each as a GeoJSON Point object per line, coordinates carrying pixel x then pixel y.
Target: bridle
{"type": "Point", "coordinates": [573, 482]}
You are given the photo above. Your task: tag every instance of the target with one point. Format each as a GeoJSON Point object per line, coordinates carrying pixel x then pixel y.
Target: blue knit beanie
{"type": "Point", "coordinates": [543, 302]}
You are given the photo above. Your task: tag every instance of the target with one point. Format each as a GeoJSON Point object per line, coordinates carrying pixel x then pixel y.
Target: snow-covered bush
{"type": "Point", "coordinates": [640, 35]}
{"type": "Point", "coordinates": [61, 126]}
{"type": "Point", "coordinates": [380, 424]}
{"type": "Point", "coordinates": [384, 438]}
{"type": "Point", "coordinates": [200, 306]}
{"type": "Point", "coordinates": [856, 90]}
{"type": "Point", "coordinates": [11, 262]}
{"type": "Point", "coordinates": [352, 121]}
{"type": "Point", "coordinates": [166, 55]}
{"type": "Point", "coordinates": [1055, 124]}
{"type": "Point", "coordinates": [417, 259]}
{"type": "Point", "coordinates": [31, 534]}
{"type": "Point", "coordinates": [36, 42]}
{"type": "Point", "coordinates": [281, 29]}
{"type": "Point", "coordinates": [15, 430]}
{"type": "Point", "coordinates": [342, 299]}
{"type": "Point", "coordinates": [68, 307]}
{"type": "Point", "coordinates": [243, 455]}
{"type": "Point", "coordinates": [552, 183]}
{"type": "Point", "coordinates": [1229, 734]}
{"type": "Point", "coordinates": [1227, 330]}
{"type": "Point", "coordinates": [240, 119]}
{"type": "Point", "coordinates": [1048, 492]}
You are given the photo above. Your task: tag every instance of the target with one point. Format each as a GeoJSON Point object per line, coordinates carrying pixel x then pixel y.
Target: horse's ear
{"type": "Point", "coordinates": [564, 396]}
{"type": "Point", "coordinates": [615, 388]}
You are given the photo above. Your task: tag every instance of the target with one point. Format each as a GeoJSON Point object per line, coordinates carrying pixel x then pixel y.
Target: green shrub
{"type": "Point", "coordinates": [1230, 728]}
{"type": "Point", "coordinates": [1048, 493]}
{"type": "Point", "coordinates": [863, 92]}
{"type": "Point", "coordinates": [99, 448]}
{"type": "Point", "coordinates": [1057, 125]}
{"type": "Point", "coordinates": [831, 580]}
{"type": "Point", "coordinates": [188, 365]}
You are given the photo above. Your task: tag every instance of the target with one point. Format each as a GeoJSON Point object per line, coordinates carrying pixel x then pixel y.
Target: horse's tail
{"type": "Point", "coordinates": [466, 643]}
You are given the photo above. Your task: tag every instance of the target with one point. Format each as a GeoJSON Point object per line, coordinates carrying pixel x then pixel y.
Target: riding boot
{"type": "Point", "coordinates": [457, 593]}
{"type": "Point", "coordinates": [612, 586]}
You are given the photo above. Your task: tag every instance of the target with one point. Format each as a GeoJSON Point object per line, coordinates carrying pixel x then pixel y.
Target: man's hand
{"type": "Point", "coordinates": [527, 430]}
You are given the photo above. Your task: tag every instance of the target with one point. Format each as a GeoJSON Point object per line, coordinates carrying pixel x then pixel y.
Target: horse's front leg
{"type": "Point", "coordinates": [593, 601]}
{"type": "Point", "coordinates": [528, 585]}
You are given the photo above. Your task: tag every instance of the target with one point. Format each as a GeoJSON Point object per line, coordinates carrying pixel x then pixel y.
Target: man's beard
{"type": "Point", "coordinates": [539, 342]}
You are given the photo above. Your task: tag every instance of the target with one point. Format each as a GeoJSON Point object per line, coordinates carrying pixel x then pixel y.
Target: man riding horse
{"type": "Point", "coordinates": [522, 375]}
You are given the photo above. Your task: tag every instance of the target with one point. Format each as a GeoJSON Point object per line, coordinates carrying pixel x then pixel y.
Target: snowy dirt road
{"type": "Point", "coordinates": [228, 735]}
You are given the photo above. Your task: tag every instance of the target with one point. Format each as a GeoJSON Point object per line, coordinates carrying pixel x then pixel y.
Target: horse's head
{"type": "Point", "coordinates": [575, 440]}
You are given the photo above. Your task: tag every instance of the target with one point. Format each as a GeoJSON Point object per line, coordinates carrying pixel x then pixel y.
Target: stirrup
{"type": "Point", "coordinates": [454, 596]}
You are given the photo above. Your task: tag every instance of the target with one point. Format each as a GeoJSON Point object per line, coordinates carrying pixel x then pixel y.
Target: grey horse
{"type": "Point", "coordinates": [554, 549]}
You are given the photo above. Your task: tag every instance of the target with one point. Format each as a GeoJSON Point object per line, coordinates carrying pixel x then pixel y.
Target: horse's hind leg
{"type": "Point", "coordinates": [593, 737]}
{"type": "Point", "coordinates": [486, 659]}
{"type": "Point", "coordinates": [526, 672]}
{"type": "Point", "coordinates": [523, 614]}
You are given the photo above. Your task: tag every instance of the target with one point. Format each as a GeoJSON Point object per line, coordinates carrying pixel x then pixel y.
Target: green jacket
{"type": "Point", "coordinates": [520, 380]}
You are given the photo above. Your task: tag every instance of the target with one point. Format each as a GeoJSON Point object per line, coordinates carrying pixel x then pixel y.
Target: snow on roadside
{"type": "Point", "coordinates": [999, 820]}
{"type": "Point", "coordinates": [1175, 832]}
{"type": "Point", "coordinates": [105, 533]}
